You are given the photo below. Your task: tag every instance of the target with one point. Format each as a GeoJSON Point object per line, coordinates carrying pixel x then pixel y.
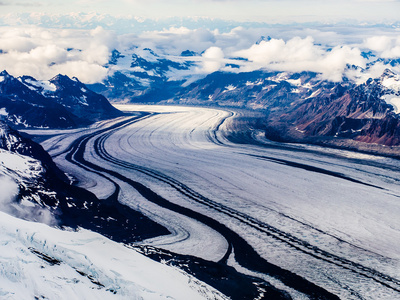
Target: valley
{"type": "Point", "coordinates": [308, 222]}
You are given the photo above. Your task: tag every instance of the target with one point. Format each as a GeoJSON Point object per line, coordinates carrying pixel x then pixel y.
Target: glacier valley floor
{"type": "Point", "coordinates": [310, 222]}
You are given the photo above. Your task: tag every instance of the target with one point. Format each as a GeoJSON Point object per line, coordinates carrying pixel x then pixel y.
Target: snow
{"type": "Point", "coordinates": [47, 86]}
{"type": "Point", "coordinates": [283, 76]}
{"type": "Point", "coordinates": [19, 166]}
{"type": "Point", "coordinates": [249, 83]}
{"type": "Point", "coordinates": [394, 101]}
{"type": "Point", "coordinates": [2, 78]}
{"type": "Point", "coordinates": [392, 83]}
{"type": "Point", "coordinates": [84, 265]}
{"type": "Point", "coordinates": [296, 82]}
{"type": "Point", "coordinates": [315, 93]}
{"type": "Point", "coordinates": [230, 87]}
{"type": "Point", "coordinates": [19, 171]}
{"type": "Point", "coordinates": [83, 100]}
{"type": "Point", "coordinates": [3, 112]}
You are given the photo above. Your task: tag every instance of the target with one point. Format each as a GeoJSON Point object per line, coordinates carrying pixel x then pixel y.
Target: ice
{"type": "Point", "coordinates": [394, 101]}
{"type": "Point", "coordinates": [318, 208]}
{"type": "Point", "coordinates": [37, 261]}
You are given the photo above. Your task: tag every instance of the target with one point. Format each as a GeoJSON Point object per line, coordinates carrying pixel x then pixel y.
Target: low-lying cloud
{"type": "Point", "coordinates": [9, 191]}
{"type": "Point", "coordinates": [386, 46]}
{"type": "Point", "coordinates": [212, 60]}
{"type": "Point", "coordinates": [43, 53]}
{"type": "Point", "coordinates": [299, 54]}
{"type": "Point", "coordinates": [8, 204]}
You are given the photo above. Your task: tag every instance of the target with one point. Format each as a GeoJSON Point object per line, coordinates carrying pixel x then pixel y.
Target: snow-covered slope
{"type": "Point", "coordinates": [23, 191]}
{"type": "Point", "coordinates": [40, 262]}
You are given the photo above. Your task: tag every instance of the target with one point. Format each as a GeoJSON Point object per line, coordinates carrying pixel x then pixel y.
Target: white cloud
{"type": "Point", "coordinates": [386, 46]}
{"type": "Point", "coordinates": [9, 190]}
{"type": "Point", "coordinates": [43, 53]}
{"type": "Point", "coordinates": [212, 60]}
{"type": "Point", "coordinates": [85, 71]}
{"type": "Point", "coordinates": [299, 54]}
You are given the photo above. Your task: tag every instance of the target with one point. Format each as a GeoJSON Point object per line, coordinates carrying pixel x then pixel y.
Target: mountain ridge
{"type": "Point", "coordinates": [59, 103]}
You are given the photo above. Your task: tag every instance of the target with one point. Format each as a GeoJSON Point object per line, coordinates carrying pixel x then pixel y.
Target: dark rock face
{"type": "Point", "coordinates": [82, 102]}
{"type": "Point", "coordinates": [24, 107]}
{"type": "Point", "coordinates": [59, 103]}
{"type": "Point", "coordinates": [355, 112]}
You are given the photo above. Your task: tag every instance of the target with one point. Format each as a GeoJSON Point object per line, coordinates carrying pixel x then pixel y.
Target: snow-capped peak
{"type": "Point", "coordinates": [3, 76]}
{"type": "Point", "coordinates": [390, 80]}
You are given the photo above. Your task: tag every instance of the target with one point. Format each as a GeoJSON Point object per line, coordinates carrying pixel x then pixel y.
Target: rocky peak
{"type": "Point", "coordinates": [4, 73]}
{"type": "Point", "coordinates": [263, 39]}
{"type": "Point", "coordinates": [388, 74]}
{"type": "Point", "coordinates": [63, 81]}
{"type": "Point", "coordinates": [391, 81]}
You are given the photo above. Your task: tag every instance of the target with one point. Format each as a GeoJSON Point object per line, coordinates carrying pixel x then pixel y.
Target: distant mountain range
{"type": "Point", "coordinates": [298, 107]}
{"type": "Point", "coordinates": [58, 103]}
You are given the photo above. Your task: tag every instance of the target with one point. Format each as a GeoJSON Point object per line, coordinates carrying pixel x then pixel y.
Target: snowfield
{"type": "Point", "coordinates": [299, 217]}
{"type": "Point", "coordinates": [40, 262]}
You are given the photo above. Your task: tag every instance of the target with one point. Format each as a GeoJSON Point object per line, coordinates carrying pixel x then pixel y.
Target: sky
{"type": "Point", "coordinates": [269, 11]}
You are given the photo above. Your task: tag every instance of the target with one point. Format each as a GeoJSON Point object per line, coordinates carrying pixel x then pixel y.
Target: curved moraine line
{"type": "Point", "coordinates": [287, 238]}
{"type": "Point", "coordinates": [244, 254]}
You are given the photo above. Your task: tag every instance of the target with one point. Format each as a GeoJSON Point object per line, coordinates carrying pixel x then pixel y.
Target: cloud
{"type": "Point", "coordinates": [212, 60]}
{"type": "Point", "coordinates": [386, 46]}
{"type": "Point", "coordinates": [19, 3]}
{"type": "Point", "coordinates": [9, 191]}
{"type": "Point", "coordinates": [299, 54]}
{"type": "Point", "coordinates": [43, 53]}
{"type": "Point", "coordinates": [8, 204]}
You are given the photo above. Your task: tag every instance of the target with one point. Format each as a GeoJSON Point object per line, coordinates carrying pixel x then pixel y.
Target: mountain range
{"type": "Point", "coordinates": [297, 106]}
{"type": "Point", "coordinates": [58, 103]}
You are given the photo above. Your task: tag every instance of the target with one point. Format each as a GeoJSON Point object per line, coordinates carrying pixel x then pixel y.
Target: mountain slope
{"type": "Point", "coordinates": [39, 191]}
{"type": "Point", "coordinates": [40, 262]}
{"type": "Point", "coordinates": [58, 103]}
{"type": "Point", "coordinates": [355, 112]}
